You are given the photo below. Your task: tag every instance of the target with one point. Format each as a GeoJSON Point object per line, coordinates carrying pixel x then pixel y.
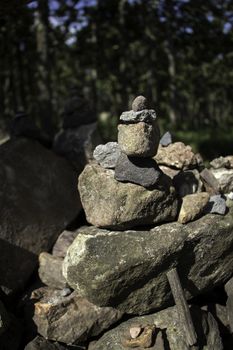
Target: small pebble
{"type": "Point", "coordinates": [135, 331]}
{"type": "Point", "coordinates": [139, 103]}
{"type": "Point", "coordinates": [166, 139]}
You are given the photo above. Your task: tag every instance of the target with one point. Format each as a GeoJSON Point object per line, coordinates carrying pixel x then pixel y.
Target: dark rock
{"type": "Point", "coordinates": [40, 343]}
{"type": "Point", "coordinates": [77, 145]}
{"type": "Point", "coordinates": [117, 205]}
{"type": "Point", "coordinates": [166, 139]}
{"type": "Point", "coordinates": [107, 155]}
{"type": "Point", "coordinates": [63, 242]}
{"type": "Point", "coordinates": [38, 199]}
{"type": "Point", "coordinates": [50, 271]}
{"type": "Point", "coordinates": [129, 269]}
{"type": "Point", "coordinates": [216, 205]}
{"type": "Point", "coordinates": [210, 182]}
{"type": "Point", "coordinates": [139, 140]}
{"type": "Point", "coordinates": [139, 103]}
{"type": "Point", "coordinates": [168, 333]}
{"type": "Point", "coordinates": [11, 338]}
{"type": "Point", "coordinates": [4, 319]}
{"type": "Point", "coordinates": [70, 319]}
{"type": "Point", "coordinates": [131, 117]}
{"type": "Point", "coordinates": [141, 171]}
{"type": "Point", "coordinates": [187, 182]}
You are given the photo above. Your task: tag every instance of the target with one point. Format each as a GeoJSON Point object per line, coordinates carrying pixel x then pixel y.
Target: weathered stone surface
{"type": "Point", "coordinates": [139, 140]}
{"type": "Point", "coordinates": [216, 205]}
{"type": "Point", "coordinates": [187, 182]}
{"type": "Point", "coordinates": [63, 242]}
{"type": "Point", "coordinates": [131, 117]}
{"type": "Point", "coordinates": [128, 269]}
{"type": "Point", "coordinates": [139, 103]}
{"type": "Point", "coordinates": [107, 155]}
{"type": "Point", "coordinates": [40, 343]}
{"type": "Point", "coordinates": [192, 206]}
{"type": "Point", "coordinates": [116, 205]}
{"type": "Point", "coordinates": [225, 178]}
{"type": "Point", "coordinates": [177, 155]}
{"type": "Point", "coordinates": [70, 319]}
{"type": "Point", "coordinates": [210, 182]}
{"type": "Point", "coordinates": [38, 199]}
{"type": "Point", "coordinates": [222, 162]}
{"type": "Point", "coordinates": [168, 333]}
{"type": "Point", "coordinates": [77, 145]}
{"type": "Point", "coordinates": [140, 171]}
{"type": "Point", "coordinates": [4, 319]}
{"type": "Point", "coordinates": [166, 139]}
{"type": "Point", "coordinates": [50, 271]}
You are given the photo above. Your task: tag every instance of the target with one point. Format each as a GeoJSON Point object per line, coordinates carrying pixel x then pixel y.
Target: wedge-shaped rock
{"type": "Point", "coordinates": [192, 206]}
{"type": "Point", "coordinates": [168, 333]}
{"type": "Point", "coordinates": [116, 205]}
{"type": "Point", "coordinates": [128, 269]}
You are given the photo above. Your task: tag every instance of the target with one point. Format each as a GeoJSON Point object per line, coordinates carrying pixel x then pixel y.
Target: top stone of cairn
{"type": "Point", "coordinates": [139, 103]}
{"type": "Point", "coordinates": [139, 112]}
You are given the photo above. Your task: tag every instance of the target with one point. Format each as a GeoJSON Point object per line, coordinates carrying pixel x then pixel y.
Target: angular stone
{"type": "Point", "coordinates": [38, 199]}
{"type": "Point", "coordinates": [187, 182]}
{"type": "Point", "coordinates": [169, 171]}
{"type": "Point", "coordinates": [166, 139]}
{"type": "Point", "coordinates": [216, 205]}
{"type": "Point", "coordinates": [131, 117]}
{"type": "Point", "coordinates": [138, 140]}
{"type": "Point", "coordinates": [107, 155]}
{"type": "Point", "coordinates": [77, 145]}
{"type": "Point", "coordinates": [140, 171]}
{"type": "Point", "coordinates": [129, 269]}
{"type": "Point", "coordinates": [116, 205]}
{"type": "Point", "coordinates": [210, 182]}
{"type": "Point", "coordinates": [63, 242]}
{"type": "Point", "coordinates": [70, 319]}
{"type": "Point", "coordinates": [222, 162]}
{"type": "Point", "coordinates": [192, 206]}
{"type": "Point", "coordinates": [50, 271]}
{"type": "Point", "coordinates": [225, 179]}
{"type": "Point", "coordinates": [179, 156]}
{"type": "Point", "coordinates": [139, 103]}
{"type": "Point", "coordinates": [168, 333]}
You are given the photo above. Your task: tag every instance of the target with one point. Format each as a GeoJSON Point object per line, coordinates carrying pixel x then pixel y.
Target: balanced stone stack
{"type": "Point", "coordinates": [126, 188]}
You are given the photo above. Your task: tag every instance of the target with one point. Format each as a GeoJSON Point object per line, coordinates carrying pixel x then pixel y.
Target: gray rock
{"type": "Point", "coordinates": [140, 171]}
{"type": "Point", "coordinates": [70, 319]}
{"type": "Point", "coordinates": [168, 333]}
{"type": "Point", "coordinates": [38, 199]}
{"type": "Point", "coordinates": [131, 117]}
{"type": "Point", "coordinates": [77, 145]}
{"type": "Point", "coordinates": [107, 155]}
{"type": "Point", "coordinates": [128, 269]}
{"type": "Point", "coordinates": [63, 242]}
{"type": "Point", "coordinates": [139, 140]}
{"type": "Point", "coordinates": [50, 271]}
{"type": "Point", "coordinates": [116, 205]}
{"type": "Point", "coordinates": [225, 179]}
{"type": "Point", "coordinates": [187, 182]}
{"type": "Point", "coordinates": [192, 206]}
{"type": "Point", "coordinates": [216, 205]}
{"type": "Point", "coordinates": [139, 103]}
{"type": "Point", "coordinates": [210, 182]}
{"type": "Point", "coordinates": [166, 139]}
{"type": "Point", "coordinates": [39, 343]}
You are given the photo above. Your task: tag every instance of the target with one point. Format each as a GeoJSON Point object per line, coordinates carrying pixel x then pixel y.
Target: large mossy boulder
{"type": "Point", "coordinates": [128, 269]}
{"type": "Point", "coordinates": [38, 199]}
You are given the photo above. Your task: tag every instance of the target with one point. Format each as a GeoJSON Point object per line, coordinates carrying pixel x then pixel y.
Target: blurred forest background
{"type": "Point", "coordinates": [178, 53]}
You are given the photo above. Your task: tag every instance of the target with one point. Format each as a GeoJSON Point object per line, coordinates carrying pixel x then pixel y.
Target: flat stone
{"type": "Point", "coordinates": [216, 205]}
{"type": "Point", "coordinates": [139, 140]}
{"type": "Point", "coordinates": [117, 205]}
{"type": "Point", "coordinates": [179, 156]}
{"type": "Point", "coordinates": [187, 182]}
{"type": "Point", "coordinates": [132, 117]}
{"type": "Point", "coordinates": [38, 199]}
{"type": "Point", "coordinates": [168, 333]}
{"type": "Point", "coordinates": [70, 319]}
{"type": "Point", "coordinates": [139, 103]}
{"type": "Point", "coordinates": [50, 271]}
{"type": "Point", "coordinates": [140, 171]}
{"type": "Point", "coordinates": [128, 269]}
{"type": "Point", "coordinates": [63, 242]}
{"type": "Point", "coordinates": [166, 139]}
{"type": "Point", "coordinates": [225, 179]}
{"type": "Point", "coordinates": [222, 162]}
{"type": "Point", "coordinates": [192, 206]}
{"type": "Point", "coordinates": [107, 155]}
{"type": "Point", "coordinates": [77, 145]}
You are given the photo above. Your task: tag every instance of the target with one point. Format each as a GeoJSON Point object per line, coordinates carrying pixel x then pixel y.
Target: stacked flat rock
{"type": "Point", "coordinates": [127, 188]}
